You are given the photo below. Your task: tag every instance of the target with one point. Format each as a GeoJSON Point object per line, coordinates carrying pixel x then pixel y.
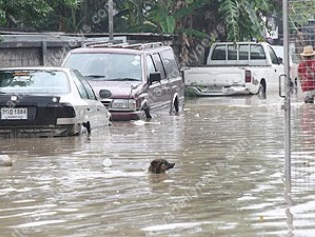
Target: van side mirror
{"type": "Point", "coordinates": [156, 76]}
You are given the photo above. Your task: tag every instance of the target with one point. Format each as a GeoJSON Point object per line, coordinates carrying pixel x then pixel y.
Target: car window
{"type": "Point", "coordinates": [89, 91]}
{"type": "Point", "coordinates": [170, 64]}
{"type": "Point", "coordinates": [30, 81]}
{"type": "Point", "coordinates": [106, 66]}
{"type": "Point", "coordinates": [158, 65]}
{"type": "Point", "coordinates": [83, 93]}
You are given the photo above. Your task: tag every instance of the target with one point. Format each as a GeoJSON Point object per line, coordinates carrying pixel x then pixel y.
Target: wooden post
{"type": "Point", "coordinates": [43, 53]}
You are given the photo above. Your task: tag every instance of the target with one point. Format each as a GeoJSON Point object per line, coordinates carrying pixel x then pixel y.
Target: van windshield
{"type": "Point", "coordinates": [102, 66]}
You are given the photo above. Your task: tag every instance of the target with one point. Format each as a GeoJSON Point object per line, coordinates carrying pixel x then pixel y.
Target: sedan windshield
{"type": "Point", "coordinates": [119, 67]}
{"type": "Point", "coordinates": [34, 82]}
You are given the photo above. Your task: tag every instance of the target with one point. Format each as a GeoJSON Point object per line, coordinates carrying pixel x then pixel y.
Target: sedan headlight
{"type": "Point", "coordinates": [123, 104]}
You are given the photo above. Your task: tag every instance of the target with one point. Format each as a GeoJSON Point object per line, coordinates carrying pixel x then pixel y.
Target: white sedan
{"type": "Point", "coordinates": [48, 101]}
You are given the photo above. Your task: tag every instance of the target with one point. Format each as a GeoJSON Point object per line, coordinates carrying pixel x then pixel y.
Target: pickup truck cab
{"type": "Point", "coordinates": [131, 80]}
{"type": "Point", "coordinates": [236, 69]}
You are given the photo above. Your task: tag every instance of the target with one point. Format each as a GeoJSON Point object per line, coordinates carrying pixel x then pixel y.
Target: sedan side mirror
{"type": "Point", "coordinates": [156, 76]}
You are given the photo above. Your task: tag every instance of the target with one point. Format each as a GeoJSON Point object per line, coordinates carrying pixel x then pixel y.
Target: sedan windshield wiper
{"type": "Point", "coordinates": [95, 76]}
{"type": "Point", "coordinates": [125, 79]}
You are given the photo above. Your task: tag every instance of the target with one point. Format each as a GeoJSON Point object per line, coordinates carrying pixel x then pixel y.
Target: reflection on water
{"type": "Point", "coordinates": [227, 181]}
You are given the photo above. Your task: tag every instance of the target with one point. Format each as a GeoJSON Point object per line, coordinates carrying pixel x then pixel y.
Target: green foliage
{"type": "Point", "coordinates": [194, 33]}
{"type": "Point", "coordinates": [301, 12]}
{"type": "Point", "coordinates": [230, 11]}
{"type": "Point", "coordinates": [250, 19]}
{"type": "Point", "coordinates": [239, 19]}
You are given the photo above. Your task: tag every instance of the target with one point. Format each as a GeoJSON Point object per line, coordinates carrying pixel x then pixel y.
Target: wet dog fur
{"type": "Point", "coordinates": [159, 166]}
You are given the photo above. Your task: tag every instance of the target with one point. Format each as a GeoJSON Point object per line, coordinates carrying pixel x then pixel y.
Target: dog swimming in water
{"type": "Point", "coordinates": [159, 166]}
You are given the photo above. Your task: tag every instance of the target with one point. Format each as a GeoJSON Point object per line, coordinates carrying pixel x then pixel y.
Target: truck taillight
{"type": "Point", "coordinates": [248, 76]}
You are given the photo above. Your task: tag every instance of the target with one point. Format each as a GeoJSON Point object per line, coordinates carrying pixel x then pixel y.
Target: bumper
{"type": "Point", "coordinates": [223, 91]}
{"type": "Point", "coordinates": [39, 131]}
{"type": "Point", "coordinates": [125, 116]}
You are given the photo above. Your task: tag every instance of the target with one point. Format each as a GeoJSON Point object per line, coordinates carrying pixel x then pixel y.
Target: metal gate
{"type": "Point", "coordinates": [298, 32]}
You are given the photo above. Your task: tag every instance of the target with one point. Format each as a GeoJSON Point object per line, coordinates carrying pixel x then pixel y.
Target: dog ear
{"type": "Point", "coordinates": [154, 163]}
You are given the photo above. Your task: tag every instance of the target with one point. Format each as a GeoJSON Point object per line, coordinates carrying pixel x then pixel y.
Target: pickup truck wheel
{"type": "Point", "coordinates": [262, 90]}
{"type": "Point", "coordinates": [87, 125]}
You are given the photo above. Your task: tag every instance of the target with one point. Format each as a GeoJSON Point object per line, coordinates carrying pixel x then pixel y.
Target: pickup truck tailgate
{"type": "Point", "coordinates": [216, 76]}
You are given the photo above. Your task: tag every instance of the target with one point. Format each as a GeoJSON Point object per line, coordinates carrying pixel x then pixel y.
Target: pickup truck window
{"type": "Point", "coordinates": [257, 52]}
{"type": "Point", "coordinates": [273, 55]}
{"type": "Point", "coordinates": [244, 49]}
{"type": "Point", "coordinates": [232, 52]}
{"type": "Point", "coordinates": [238, 53]}
{"type": "Point", "coordinates": [218, 53]}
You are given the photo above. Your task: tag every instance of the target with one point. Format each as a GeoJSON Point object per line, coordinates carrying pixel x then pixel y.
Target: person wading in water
{"type": "Point", "coordinates": [306, 73]}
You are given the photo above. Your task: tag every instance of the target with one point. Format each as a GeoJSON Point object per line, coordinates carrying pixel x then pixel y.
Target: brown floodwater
{"type": "Point", "coordinates": [228, 179]}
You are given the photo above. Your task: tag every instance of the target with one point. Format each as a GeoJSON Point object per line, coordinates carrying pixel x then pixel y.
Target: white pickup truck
{"type": "Point", "coordinates": [236, 69]}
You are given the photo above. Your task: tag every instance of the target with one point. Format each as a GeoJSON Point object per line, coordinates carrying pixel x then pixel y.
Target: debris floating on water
{"type": "Point", "coordinates": [5, 160]}
{"type": "Point", "coordinates": [141, 122]}
{"type": "Point", "coordinates": [107, 162]}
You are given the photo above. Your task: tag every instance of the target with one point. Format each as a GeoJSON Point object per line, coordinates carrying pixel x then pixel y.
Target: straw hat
{"type": "Point", "coordinates": [308, 51]}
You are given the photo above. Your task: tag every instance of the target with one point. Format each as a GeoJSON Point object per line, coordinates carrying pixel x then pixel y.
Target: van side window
{"type": "Point", "coordinates": [158, 64]}
{"type": "Point", "coordinates": [170, 64]}
{"type": "Point", "coordinates": [150, 65]}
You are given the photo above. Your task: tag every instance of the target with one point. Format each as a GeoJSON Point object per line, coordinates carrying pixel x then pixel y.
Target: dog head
{"type": "Point", "coordinates": [160, 166]}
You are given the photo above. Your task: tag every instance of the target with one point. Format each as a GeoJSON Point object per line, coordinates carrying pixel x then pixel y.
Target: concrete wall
{"type": "Point", "coordinates": [48, 53]}
{"type": "Point", "coordinates": [49, 50]}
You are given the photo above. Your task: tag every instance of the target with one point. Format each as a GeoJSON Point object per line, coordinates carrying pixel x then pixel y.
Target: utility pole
{"type": "Point", "coordinates": [110, 20]}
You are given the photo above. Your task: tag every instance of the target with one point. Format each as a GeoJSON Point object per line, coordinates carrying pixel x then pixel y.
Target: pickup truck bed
{"type": "Point", "coordinates": [202, 81]}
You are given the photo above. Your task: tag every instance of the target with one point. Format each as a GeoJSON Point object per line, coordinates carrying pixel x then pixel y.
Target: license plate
{"type": "Point", "coordinates": [13, 113]}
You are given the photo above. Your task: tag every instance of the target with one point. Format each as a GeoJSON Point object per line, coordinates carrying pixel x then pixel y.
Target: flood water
{"type": "Point", "coordinates": [228, 179]}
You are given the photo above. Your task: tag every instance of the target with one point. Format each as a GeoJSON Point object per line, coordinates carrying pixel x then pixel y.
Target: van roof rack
{"type": "Point", "coordinates": [101, 42]}
{"type": "Point", "coordinates": [120, 44]}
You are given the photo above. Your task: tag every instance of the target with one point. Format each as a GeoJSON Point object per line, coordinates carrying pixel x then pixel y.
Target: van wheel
{"type": "Point", "coordinates": [174, 107]}
{"type": "Point", "coordinates": [147, 114]}
{"type": "Point", "coordinates": [262, 90]}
